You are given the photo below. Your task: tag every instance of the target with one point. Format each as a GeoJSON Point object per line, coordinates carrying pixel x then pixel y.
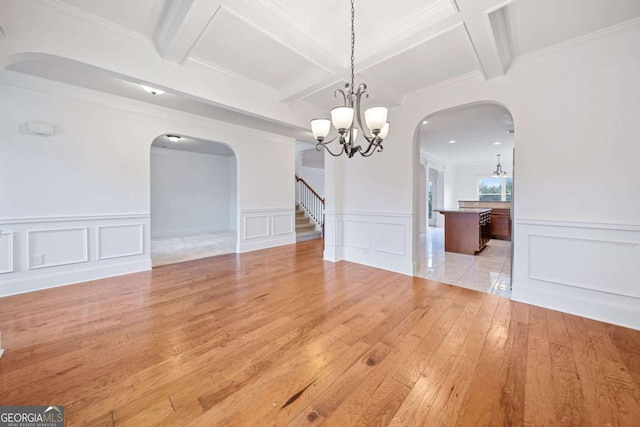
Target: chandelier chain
{"type": "Point", "coordinates": [353, 44]}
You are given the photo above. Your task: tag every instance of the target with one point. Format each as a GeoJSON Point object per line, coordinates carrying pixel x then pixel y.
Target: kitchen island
{"type": "Point", "coordinates": [466, 230]}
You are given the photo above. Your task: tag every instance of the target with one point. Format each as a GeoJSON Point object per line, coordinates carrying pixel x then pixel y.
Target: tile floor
{"type": "Point", "coordinates": [169, 250]}
{"type": "Point", "coordinates": [489, 271]}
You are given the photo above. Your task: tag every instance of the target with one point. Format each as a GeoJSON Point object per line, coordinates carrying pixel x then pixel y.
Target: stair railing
{"type": "Point", "coordinates": [310, 201]}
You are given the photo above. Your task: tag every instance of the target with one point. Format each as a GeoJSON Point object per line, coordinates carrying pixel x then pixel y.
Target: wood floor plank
{"type": "Point", "coordinates": [539, 408]}
{"type": "Point", "coordinates": [281, 337]}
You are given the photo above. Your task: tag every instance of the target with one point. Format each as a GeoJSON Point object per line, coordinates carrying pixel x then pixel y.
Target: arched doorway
{"type": "Point", "coordinates": [458, 151]}
{"type": "Point", "coordinates": [194, 203]}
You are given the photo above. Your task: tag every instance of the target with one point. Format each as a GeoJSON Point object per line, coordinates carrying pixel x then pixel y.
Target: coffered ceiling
{"type": "Point", "coordinates": [298, 51]}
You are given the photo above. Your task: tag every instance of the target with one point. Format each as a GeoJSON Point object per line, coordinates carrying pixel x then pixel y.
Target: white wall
{"type": "Point", "coordinates": [576, 109]}
{"type": "Point", "coordinates": [190, 192]}
{"type": "Point", "coordinates": [81, 198]}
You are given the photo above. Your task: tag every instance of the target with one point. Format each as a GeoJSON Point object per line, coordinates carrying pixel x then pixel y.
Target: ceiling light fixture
{"type": "Point", "coordinates": [343, 117]}
{"type": "Point", "coordinates": [152, 90]}
{"type": "Point", "coordinates": [499, 173]}
{"type": "Point", "coordinates": [497, 143]}
{"type": "Point", "coordinates": [174, 138]}
{"type": "Point", "coordinates": [425, 122]}
{"type": "Point", "coordinates": [452, 142]}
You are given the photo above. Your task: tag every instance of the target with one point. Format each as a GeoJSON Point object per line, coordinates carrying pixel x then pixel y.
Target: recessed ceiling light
{"type": "Point", "coordinates": [152, 90]}
{"type": "Point", "coordinates": [426, 122]}
{"type": "Point", "coordinates": [497, 143]}
{"type": "Point", "coordinates": [174, 138]}
{"type": "Point", "coordinates": [452, 142]}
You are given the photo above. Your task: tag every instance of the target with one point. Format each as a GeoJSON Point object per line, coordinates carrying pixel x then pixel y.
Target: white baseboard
{"type": "Point", "coordinates": [53, 280]}
{"type": "Point", "coordinates": [589, 304]}
{"type": "Point", "coordinates": [265, 243]}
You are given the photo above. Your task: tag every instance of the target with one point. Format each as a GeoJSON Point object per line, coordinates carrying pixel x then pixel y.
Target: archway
{"type": "Point", "coordinates": [457, 151]}
{"type": "Point", "coordinates": [194, 203]}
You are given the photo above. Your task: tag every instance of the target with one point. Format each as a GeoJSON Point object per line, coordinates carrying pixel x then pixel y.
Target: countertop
{"type": "Point", "coordinates": [464, 210]}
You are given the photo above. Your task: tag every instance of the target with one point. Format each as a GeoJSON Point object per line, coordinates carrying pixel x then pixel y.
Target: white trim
{"type": "Point", "coordinates": [266, 243]}
{"type": "Point", "coordinates": [99, 240]}
{"type": "Point", "coordinates": [575, 42]}
{"type": "Point", "coordinates": [591, 307]}
{"type": "Point", "coordinates": [75, 13]}
{"type": "Point", "coordinates": [64, 278]}
{"type": "Point", "coordinates": [11, 260]}
{"type": "Point", "coordinates": [85, 243]}
{"type": "Point", "coordinates": [233, 74]}
{"type": "Point", "coordinates": [575, 224]}
{"type": "Point", "coordinates": [440, 85]}
{"type": "Point", "coordinates": [370, 213]}
{"type": "Point", "coordinates": [43, 219]}
{"type": "Point", "coordinates": [531, 275]}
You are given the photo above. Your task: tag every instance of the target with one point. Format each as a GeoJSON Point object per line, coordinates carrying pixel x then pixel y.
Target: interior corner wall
{"type": "Point", "coordinates": [190, 193]}
{"type": "Point", "coordinates": [575, 108]}
{"type": "Point", "coordinates": [75, 205]}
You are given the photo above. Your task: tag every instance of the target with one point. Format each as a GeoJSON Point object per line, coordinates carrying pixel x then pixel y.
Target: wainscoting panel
{"type": "Point", "coordinates": [391, 238]}
{"type": "Point", "coordinates": [282, 224]}
{"type": "Point", "coordinates": [591, 270]}
{"type": "Point", "coordinates": [115, 241]}
{"type": "Point", "coordinates": [381, 240]}
{"type": "Point", "coordinates": [40, 253]}
{"type": "Point", "coordinates": [266, 228]}
{"type": "Point", "coordinates": [358, 234]}
{"type": "Point", "coordinates": [6, 253]}
{"type": "Point", "coordinates": [581, 265]}
{"type": "Point", "coordinates": [58, 247]}
{"type": "Point", "coordinates": [256, 226]}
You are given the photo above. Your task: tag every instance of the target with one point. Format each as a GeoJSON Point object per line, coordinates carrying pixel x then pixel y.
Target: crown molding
{"type": "Point", "coordinates": [69, 11]}
{"type": "Point", "coordinates": [577, 41]}
{"type": "Point", "coordinates": [437, 86]}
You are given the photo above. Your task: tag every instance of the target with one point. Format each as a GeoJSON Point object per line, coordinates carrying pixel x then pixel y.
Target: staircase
{"type": "Point", "coordinates": [305, 227]}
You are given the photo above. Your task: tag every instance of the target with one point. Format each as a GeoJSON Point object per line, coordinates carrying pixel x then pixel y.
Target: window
{"type": "Point", "coordinates": [493, 189]}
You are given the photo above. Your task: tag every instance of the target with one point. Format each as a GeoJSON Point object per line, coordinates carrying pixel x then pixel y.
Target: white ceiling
{"type": "Point", "coordinates": [475, 129]}
{"type": "Point", "coordinates": [299, 50]}
{"type": "Point", "coordinates": [193, 145]}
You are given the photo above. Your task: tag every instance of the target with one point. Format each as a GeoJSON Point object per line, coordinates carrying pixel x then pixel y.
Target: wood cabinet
{"type": "Point", "coordinates": [501, 224]}
{"type": "Point", "coordinates": [466, 231]}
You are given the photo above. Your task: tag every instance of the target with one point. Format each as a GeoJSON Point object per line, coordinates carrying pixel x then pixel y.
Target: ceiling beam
{"type": "Point", "coordinates": [488, 32]}
{"type": "Point", "coordinates": [181, 26]}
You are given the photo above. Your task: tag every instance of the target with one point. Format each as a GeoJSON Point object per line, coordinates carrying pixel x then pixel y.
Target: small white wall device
{"type": "Point", "coordinates": [40, 128]}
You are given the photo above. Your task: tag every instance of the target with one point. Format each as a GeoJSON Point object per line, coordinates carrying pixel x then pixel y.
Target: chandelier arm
{"type": "Point", "coordinates": [341, 92]}
{"type": "Point", "coordinates": [326, 147]}
{"type": "Point", "coordinates": [362, 90]}
{"type": "Point", "coordinates": [369, 153]}
{"type": "Point", "coordinates": [370, 148]}
{"type": "Point", "coordinates": [326, 142]}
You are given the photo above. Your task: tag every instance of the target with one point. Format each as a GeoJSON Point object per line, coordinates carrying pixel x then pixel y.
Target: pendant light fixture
{"type": "Point", "coordinates": [347, 119]}
{"type": "Point", "coordinates": [499, 173]}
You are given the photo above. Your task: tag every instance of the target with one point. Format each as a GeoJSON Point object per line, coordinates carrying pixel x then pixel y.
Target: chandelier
{"type": "Point", "coordinates": [498, 173]}
{"type": "Point", "coordinates": [347, 119]}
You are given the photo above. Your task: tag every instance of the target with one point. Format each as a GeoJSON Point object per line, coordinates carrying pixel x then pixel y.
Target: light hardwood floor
{"type": "Point", "coordinates": [279, 337]}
